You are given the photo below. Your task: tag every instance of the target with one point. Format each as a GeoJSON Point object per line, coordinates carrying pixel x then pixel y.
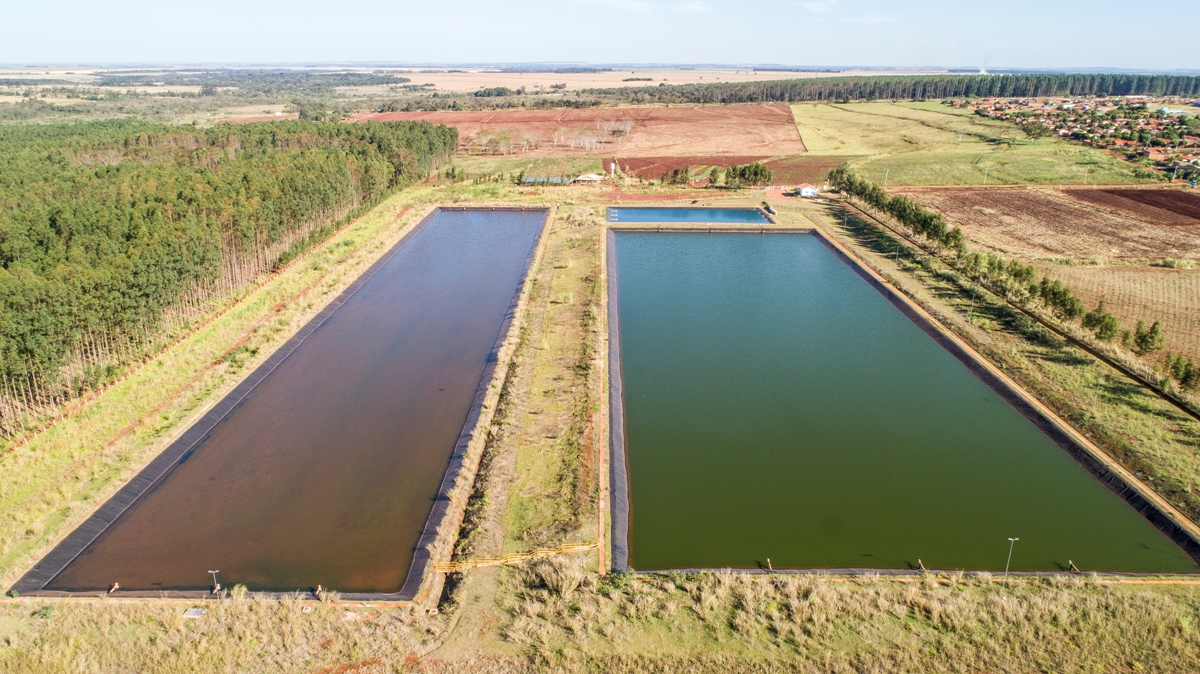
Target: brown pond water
{"type": "Point", "coordinates": [326, 472]}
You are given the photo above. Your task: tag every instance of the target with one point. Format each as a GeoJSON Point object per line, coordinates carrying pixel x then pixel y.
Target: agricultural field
{"type": "Point", "coordinates": [1050, 226]}
{"type": "Point", "coordinates": [1168, 208]}
{"type": "Point", "coordinates": [1140, 293]}
{"type": "Point", "coordinates": [932, 144]}
{"type": "Point", "coordinates": [763, 130]}
{"type": "Point", "coordinates": [1111, 245]}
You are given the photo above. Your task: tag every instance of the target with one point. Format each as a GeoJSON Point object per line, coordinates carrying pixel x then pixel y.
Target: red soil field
{"type": "Point", "coordinates": [1170, 208]}
{"type": "Point", "coordinates": [709, 131]}
{"type": "Point", "coordinates": [803, 169]}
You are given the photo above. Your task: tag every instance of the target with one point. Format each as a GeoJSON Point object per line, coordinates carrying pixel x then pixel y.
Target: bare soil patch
{"type": "Point", "coordinates": [1169, 208]}
{"type": "Point", "coordinates": [1047, 225]}
{"type": "Point", "coordinates": [714, 131]}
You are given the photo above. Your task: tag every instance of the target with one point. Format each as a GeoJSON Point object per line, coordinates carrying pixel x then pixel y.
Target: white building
{"type": "Point", "coordinates": [807, 190]}
{"type": "Point", "coordinates": [589, 179]}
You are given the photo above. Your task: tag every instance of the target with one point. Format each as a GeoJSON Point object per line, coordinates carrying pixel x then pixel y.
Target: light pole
{"type": "Point", "coordinates": [1011, 542]}
{"type": "Point", "coordinates": [217, 591]}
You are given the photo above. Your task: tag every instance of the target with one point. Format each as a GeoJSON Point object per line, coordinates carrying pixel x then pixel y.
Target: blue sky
{"type": "Point", "coordinates": [1015, 33]}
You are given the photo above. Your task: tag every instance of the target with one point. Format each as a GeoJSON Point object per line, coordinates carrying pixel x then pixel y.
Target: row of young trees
{"type": "Point", "coordinates": [1018, 281]}
{"type": "Point", "coordinates": [115, 233]}
{"type": "Point", "coordinates": [909, 88]}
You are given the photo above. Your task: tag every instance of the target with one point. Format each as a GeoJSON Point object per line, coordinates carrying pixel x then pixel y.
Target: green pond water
{"type": "Point", "coordinates": [776, 406]}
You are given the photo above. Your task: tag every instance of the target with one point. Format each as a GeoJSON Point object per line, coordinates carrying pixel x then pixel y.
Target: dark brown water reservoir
{"type": "Point", "coordinates": [325, 472]}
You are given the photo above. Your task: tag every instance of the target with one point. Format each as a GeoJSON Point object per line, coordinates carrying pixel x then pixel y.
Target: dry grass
{"type": "Point", "coordinates": [919, 144]}
{"type": "Point", "coordinates": [241, 635]}
{"type": "Point", "coordinates": [679, 131]}
{"type": "Point", "coordinates": [1142, 294]}
{"type": "Point", "coordinates": [552, 493]}
{"type": "Point", "coordinates": [723, 622]}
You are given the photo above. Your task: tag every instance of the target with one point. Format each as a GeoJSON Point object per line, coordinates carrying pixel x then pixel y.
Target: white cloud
{"type": "Point", "coordinates": [694, 6]}
{"type": "Point", "coordinates": [622, 5]}
{"type": "Point", "coordinates": [819, 6]}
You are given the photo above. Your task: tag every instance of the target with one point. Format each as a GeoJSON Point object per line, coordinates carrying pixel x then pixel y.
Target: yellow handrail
{"type": "Point", "coordinates": [515, 558]}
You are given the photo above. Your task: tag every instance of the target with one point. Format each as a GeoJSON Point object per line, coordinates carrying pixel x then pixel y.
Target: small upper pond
{"type": "Point", "coordinates": [725, 215]}
{"type": "Point", "coordinates": [325, 473]}
{"type": "Point", "coordinates": [777, 406]}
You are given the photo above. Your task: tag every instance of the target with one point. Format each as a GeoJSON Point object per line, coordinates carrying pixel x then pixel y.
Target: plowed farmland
{"type": "Point", "coordinates": [1049, 225]}
{"type": "Point", "coordinates": [1170, 208]}
{"type": "Point", "coordinates": [746, 130]}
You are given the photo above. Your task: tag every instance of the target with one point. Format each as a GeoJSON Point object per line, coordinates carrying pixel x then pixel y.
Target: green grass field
{"type": "Point", "coordinates": [933, 144]}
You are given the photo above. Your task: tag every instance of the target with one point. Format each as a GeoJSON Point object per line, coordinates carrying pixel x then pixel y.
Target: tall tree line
{"type": "Point", "coordinates": [115, 233]}
{"type": "Point", "coordinates": [909, 88]}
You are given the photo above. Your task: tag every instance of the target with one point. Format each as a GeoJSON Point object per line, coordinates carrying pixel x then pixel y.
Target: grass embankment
{"type": "Point", "coordinates": [56, 480]}
{"type": "Point", "coordinates": [934, 144]}
{"type": "Point", "coordinates": [552, 619]}
{"type": "Point", "coordinates": [1145, 434]}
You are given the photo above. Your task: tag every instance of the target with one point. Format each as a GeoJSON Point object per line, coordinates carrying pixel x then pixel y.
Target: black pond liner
{"type": "Point", "coordinates": [619, 474]}
{"type": "Point", "coordinates": [35, 580]}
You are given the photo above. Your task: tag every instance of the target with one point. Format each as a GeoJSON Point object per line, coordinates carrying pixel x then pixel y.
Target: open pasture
{"type": "Point", "coordinates": [760, 130]}
{"type": "Point", "coordinates": [933, 144]}
{"type": "Point", "coordinates": [1033, 225]}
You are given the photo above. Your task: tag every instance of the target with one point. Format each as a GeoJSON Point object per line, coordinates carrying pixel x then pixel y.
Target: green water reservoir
{"type": "Point", "coordinates": [777, 406]}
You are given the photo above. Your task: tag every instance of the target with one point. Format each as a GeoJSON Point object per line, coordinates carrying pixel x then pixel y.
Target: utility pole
{"type": "Point", "coordinates": [985, 170]}
{"type": "Point", "coordinates": [1011, 542]}
{"type": "Point", "coordinates": [1085, 173]}
{"type": "Point", "coordinates": [885, 176]}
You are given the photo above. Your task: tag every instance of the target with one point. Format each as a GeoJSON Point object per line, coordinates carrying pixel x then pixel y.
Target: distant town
{"type": "Point", "coordinates": [1160, 132]}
